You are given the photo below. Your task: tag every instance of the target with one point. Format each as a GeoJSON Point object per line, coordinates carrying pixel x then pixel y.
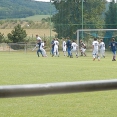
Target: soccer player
{"type": "Point", "coordinates": [56, 45]}
{"type": "Point", "coordinates": [82, 48]}
{"type": "Point", "coordinates": [102, 48]}
{"type": "Point", "coordinates": [113, 46]}
{"type": "Point", "coordinates": [38, 38]}
{"type": "Point", "coordinates": [74, 48]}
{"type": "Point", "coordinates": [52, 47]}
{"type": "Point", "coordinates": [64, 47]}
{"type": "Point", "coordinates": [68, 44]}
{"type": "Point", "coordinates": [42, 48]}
{"type": "Point", "coordinates": [38, 45]}
{"type": "Point", "coordinates": [95, 45]}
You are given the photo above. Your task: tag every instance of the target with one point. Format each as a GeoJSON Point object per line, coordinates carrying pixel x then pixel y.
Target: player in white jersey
{"type": "Point", "coordinates": [38, 38]}
{"type": "Point", "coordinates": [56, 45]}
{"type": "Point", "coordinates": [42, 49]}
{"type": "Point", "coordinates": [102, 48]}
{"type": "Point", "coordinates": [82, 48]}
{"type": "Point", "coordinates": [74, 48]}
{"type": "Point", "coordinates": [95, 47]}
{"type": "Point", "coordinates": [64, 47]}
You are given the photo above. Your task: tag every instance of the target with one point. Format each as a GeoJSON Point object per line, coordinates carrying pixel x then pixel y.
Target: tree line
{"type": "Point", "coordinates": [23, 8]}
{"type": "Point", "coordinates": [70, 12]}
{"type": "Point", "coordinates": [86, 14]}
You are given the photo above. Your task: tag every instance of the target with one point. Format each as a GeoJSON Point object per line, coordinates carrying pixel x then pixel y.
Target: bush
{"type": "Point", "coordinates": [1, 37]}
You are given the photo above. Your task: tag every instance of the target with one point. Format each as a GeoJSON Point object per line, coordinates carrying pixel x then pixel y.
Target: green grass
{"type": "Point", "coordinates": [32, 18]}
{"type": "Point", "coordinates": [36, 17]}
{"type": "Point", "coordinates": [21, 68]}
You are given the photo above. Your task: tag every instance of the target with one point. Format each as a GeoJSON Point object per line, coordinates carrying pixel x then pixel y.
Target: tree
{"type": "Point", "coordinates": [110, 21]}
{"type": "Point", "coordinates": [17, 35]}
{"type": "Point", "coordinates": [69, 16]}
{"type": "Point", "coordinates": [111, 16]}
{"type": "Point", "coordinates": [1, 37]}
{"type": "Point", "coordinates": [23, 8]}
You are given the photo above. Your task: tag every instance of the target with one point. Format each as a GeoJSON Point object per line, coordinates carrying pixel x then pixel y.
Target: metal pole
{"type": "Point", "coordinates": [78, 41]}
{"type": "Point", "coordinates": [82, 19]}
{"type": "Point", "coordinates": [50, 25]}
{"type": "Point", "coordinates": [50, 19]}
{"type": "Point", "coordinates": [56, 88]}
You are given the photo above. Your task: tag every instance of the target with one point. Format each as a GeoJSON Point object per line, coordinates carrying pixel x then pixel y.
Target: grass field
{"type": "Point", "coordinates": [34, 18]}
{"type": "Point", "coordinates": [31, 32]}
{"type": "Point", "coordinates": [21, 68]}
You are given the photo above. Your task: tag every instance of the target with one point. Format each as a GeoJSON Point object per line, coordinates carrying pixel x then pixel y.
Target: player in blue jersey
{"type": "Point", "coordinates": [38, 45]}
{"type": "Point", "coordinates": [113, 46]}
{"type": "Point", "coordinates": [68, 44]}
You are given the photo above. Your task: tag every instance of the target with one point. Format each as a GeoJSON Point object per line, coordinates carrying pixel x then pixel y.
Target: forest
{"type": "Point", "coordinates": [24, 8]}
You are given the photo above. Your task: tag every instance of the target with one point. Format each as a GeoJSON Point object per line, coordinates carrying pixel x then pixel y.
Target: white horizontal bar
{"type": "Point", "coordinates": [56, 88]}
{"type": "Point", "coordinates": [97, 30]}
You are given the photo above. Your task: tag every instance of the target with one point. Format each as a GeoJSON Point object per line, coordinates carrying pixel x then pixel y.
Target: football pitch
{"type": "Point", "coordinates": [26, 68]}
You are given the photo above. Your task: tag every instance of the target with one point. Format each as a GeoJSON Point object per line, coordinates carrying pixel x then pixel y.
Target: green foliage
{"type": "Point", "coordinates": [111, 16]}
{"type": "Point", "coordinates": [70, 13]}
{"type": "Point", "coordinates": [17, 35]}
{"type": "Point", "coordinates": [23, 8]}
{"type": "Point", "coordinates": [35, 17]}
{"type": "Point", "coordinates": [111, 19]}
{"type": "Point", "coordinates": [1, 37]}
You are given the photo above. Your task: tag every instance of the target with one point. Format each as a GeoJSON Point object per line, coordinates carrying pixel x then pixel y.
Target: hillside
{"type": "Point", "coordinates": [23, 8]}
{"type": "Point", "coordinates": [33, 22]}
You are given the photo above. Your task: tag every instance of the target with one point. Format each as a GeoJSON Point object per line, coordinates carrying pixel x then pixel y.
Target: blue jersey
{"type": "Point", "coordinates": [52, 43]}
{"type": "Point", "coordinates": [113, 46]}
{"type": "Point", "coordinates": [39, 44]}
{"type": "Point", "coordinates": [68, 43]}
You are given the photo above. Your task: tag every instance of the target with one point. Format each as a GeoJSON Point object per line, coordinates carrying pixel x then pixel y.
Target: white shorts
{"type": "Point", "coordinates": [64, 49]}
{"type": "Point", "coordinates": [83, 50]}
{"type": "Point", "coordinates": [55, 49]}
{"type": "Point", "coordinates": [43, 52]}
{"type": "Point", "coordinates": [95, 52]}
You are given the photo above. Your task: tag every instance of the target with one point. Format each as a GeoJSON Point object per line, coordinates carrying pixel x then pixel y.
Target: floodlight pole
{"type": "Point", "coordinates": [82, 19]}
{"type": "Point", "coordinates": [50, 20]}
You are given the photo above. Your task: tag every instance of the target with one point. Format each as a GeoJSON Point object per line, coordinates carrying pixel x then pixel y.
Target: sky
{"type": "Point", "coordinates": [49, 0]}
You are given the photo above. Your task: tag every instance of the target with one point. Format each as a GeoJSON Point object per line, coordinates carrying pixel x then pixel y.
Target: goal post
{"type": "Point", "coordinates": [101, 33]}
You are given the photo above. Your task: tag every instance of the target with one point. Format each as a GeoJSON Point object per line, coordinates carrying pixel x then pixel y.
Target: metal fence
{"type": "Point", "coordinates": [24, 47]}
{"type": "Point", "coordinates": [16, 47]}
{"type": "Point", "coordinates": [56, 88]}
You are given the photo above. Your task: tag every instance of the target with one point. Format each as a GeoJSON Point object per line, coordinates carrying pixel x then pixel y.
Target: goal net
{"type": "Point", "coordinates": [88, 35]}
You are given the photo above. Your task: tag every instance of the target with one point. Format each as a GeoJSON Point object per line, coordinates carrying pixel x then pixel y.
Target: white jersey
{"type": "Point", "coordinates": [39, 38]}
{"type": "Point", "coordinates": [42, 49]}
{"type": "Point", "coordinates": [64, 46]}
{"type": "Point", "coordinates": [102, 46]}
{"type": "Point", "coordinates": [42, 45]}
{"type": "Point", "coordinates": [56, 44]}
{"type": "Point", "coordinates": [95, 45]}
{"type": "Point", "coordinates": [74, 46]}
